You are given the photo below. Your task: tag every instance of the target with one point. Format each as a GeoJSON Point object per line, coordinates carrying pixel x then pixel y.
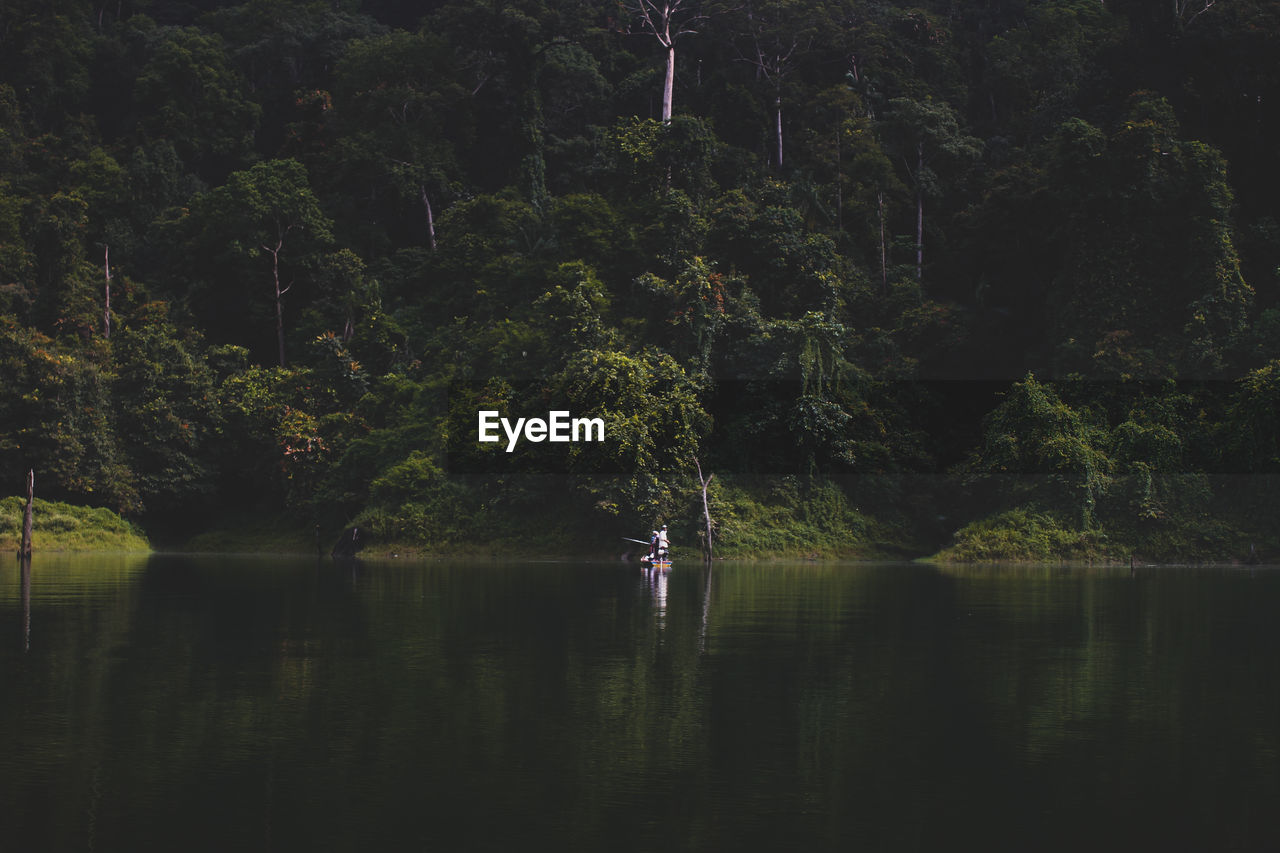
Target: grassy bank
{"type": "Point", "coordinates": [756, 518]}
{"type": "Point", "coordinates": [1025, 535]}
{"type": "Point", "coordinates": [58, 526]}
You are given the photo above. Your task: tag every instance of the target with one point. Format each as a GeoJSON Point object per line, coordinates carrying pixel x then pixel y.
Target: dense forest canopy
{"type": "Point", "coordinates": [888, 268]}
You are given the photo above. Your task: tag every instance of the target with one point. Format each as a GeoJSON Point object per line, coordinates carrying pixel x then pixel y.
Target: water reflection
{"type": "Point", "coordinates": [485, 705]}
{"type": "Point", "coordinates": [656, 580]}
{"type": "Point", "coordinates": [24, 568]}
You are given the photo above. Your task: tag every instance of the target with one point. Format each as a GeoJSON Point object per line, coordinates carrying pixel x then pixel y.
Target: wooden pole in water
{"type": "Point", "coordinates": [26, 518]}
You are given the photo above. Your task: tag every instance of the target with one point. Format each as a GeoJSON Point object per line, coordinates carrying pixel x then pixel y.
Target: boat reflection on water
{"type": "Point", "coordinates": [656, 581]}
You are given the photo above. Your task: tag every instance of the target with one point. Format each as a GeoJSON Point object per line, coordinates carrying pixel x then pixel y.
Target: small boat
{"type": "Point", "coordinates": [662, 562]}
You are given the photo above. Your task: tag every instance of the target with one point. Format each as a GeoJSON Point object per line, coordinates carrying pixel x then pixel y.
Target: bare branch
{"type": "Point", "coordinates": [1182, 7]}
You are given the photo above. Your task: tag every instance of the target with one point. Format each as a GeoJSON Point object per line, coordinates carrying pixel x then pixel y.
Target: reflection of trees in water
{"type": "Point", "coordinates": [887, 704]}
{"type": "Point", "coordinates": [58, 707]}
{"type": "Point", "coordinates": [1168, 677]}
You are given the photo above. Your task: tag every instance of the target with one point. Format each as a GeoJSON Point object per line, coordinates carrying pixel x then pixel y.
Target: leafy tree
{"type": "Point", "coordinates": [189, 95]}
{"type": "Point", "coordinates": [167, 413]}
{"type": "Point", "coordinates": [695, 305]}
{"type": "Point", "coordinates": [925, 135]}
{"type": "Point", "coordinates": [157, 187]}
{"type": "Point", "coordinates": [1037, 450]}
{"type": "Point", "coordinates": [401, 108]}
{"type": "Point", "coordinates": [573, 96]}
{"type": "Point", "coordinates": [773, 38]}
{"type": "Point", "coordinates": [653, 426]}
{"type": "Point", "coordinates": [46, 56]}
{"type": "Point", "coordinates": [1038, 72]}
{"type": "Point", "coordinates": [66, 298]}
{"type": "Point", "coordinates": [58, 419]}
{"type": "Point", "coordinates": [257, 214]}
{"type": "Point", "coordinates": [17, 262]}
{"type": "Point", "coordinates": [790, 268]}
{"type": "Point", "coordinates": [348, 307]}
{"type": "Point", "coordinates": [573, 310]}
{"type": "Point", "coordinates": [1149, 284]}
{"type": "Point", "coordinates": [1156, 484]}
{"type": "Point", "coordinates": [1253, 422]}
{"type": "Point", "coordinates": [283, 48]}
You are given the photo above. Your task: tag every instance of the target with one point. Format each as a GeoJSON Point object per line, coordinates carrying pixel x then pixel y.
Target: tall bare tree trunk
{"type": "Point", "coordinates": [106, 310]}
{"type": "Point", "coordinates": [884, 251]}
{"type": "Point", "coordinates": [669, 84]}
{"type": "Point", "coordinates": [275, 272]}
{"type": "Point", "coordinates": [706, 513]}
{"type": "Point", "coordinates": [281, 231]}
{"type": "Point", "coordinates": [777, 108]}
{"type": "Point", "coordinates": [919, 212]}
{"type": "Point", "coordinates": [431, 219]}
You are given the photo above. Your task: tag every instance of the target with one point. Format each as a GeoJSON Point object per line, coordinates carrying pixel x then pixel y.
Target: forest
{"type": "Point", "coordinates": [997, 279]}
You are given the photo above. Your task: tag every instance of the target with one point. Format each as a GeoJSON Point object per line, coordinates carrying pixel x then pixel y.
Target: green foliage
{"type": "Point", "coordinates": [1020, 535]}
{"type": "Point", "coordinates": [167, 413]}
{"type": "Point", "coordinates": [1150, 284]}
{"type": "Point", "coordinates": [653, 423]}
{"type": "Point", "coordinates": [785, 517]}
{"type": "Point", "coordinates": [1253, 421]}
{"type": "Point", "coordinates": [1040, 71]}
{"type": "Point", "coordinates": [1150, 451]}
{"type": "Point", "coordinates": [58, 526]}
{"type": "Point", "coordinates": [1037, 449]}
{"type": "Point", "coordinates": [486, 209]}
{"type": "Point", "coordinates": [56, 415]}
{"type": "Point", "coordinates": [257, 231]}
{"type": "Point", "coordinates": [189, 95]}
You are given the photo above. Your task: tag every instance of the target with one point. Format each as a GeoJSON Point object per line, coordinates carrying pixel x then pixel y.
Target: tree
{"type": "Point", "coordinates": [666, 21]}
{"type": "Point", "coordinates": [1036, 450]}
{"type": "Point", "coordinates": [775, 32]}
{"type": "Point", "coordinates": [167, 411]}
{"type": "Point", "coordinates": [56, 415]}
{"type": "Point", "coordinates": [1038, 72]}
{"type": "Point", "coordinates": [47, 55]}
{"type": "Point", "coordinates": [1156, 482]}
{"type": "Point", "coordinates": [257, 213]}
{"type": "Point", "coordinates": [284, 49]}
{"type": "Point", "coordinates": [400, 109]}
{"type": "Point", "coordinates": [65, 281]}
{"type": "Point", "coordinates": [792, 269]}
{"type": "Point", "coordinates": [654, 421]}
{"type": "Point", "coordinates": [1149, 282]}
{"type": "Point", "coordinates": [190, 96]}
{"type": "Point", "coordinates": [926, 134]}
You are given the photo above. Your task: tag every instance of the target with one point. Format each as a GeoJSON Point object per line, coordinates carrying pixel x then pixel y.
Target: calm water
{"type": "Point", "coordinates": [233, 704]}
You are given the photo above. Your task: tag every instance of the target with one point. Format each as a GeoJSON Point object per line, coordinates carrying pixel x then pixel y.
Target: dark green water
{"type": "Point", "coordinates": [173, 703]}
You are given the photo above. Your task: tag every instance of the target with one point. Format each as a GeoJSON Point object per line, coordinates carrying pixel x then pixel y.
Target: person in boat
{"type": "Point", "coordinates": [653, 546]}
{"type": "Point", "coordinates": [663, 544]}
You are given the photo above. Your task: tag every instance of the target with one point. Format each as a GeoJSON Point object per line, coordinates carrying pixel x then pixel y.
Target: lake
{"type": "Point", "coordinates": [226, 703]}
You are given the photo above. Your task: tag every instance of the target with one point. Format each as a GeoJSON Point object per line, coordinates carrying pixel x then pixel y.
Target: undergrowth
{"type": "Point", "coordinates": [59, 526]}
